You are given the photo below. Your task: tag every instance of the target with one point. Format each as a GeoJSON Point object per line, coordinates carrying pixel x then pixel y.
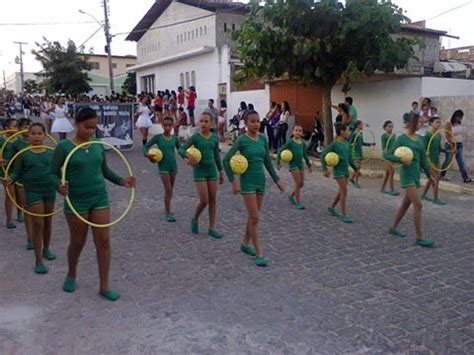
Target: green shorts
{"type": "Point", "coordinates": [84, 205]}
{"type": "Point", "coordinates": [168, 168]}
{"type": "Point", "coordinates": [33, 198]}
{"type": "Point", "coordinates": [205, 174]}
{"type": "Point", "coordinates": [250, 186]}
{"type": "Point", "coordinates": [296, 166]}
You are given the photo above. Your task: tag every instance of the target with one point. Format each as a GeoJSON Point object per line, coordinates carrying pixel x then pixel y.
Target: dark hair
{"type": "Point", "coordinates": [24, 122]}
{"type": "Point", "coordinates": [180, 88]}
{"type": "Point", "coordinates": [340, 127]}
{"type": "Point", "coordinates": [386, 123]}
{"type": "Point", "coordinates": [207, 114]}
{"type": "Point", "coordinates": [412, 120]}
{"type": "Point", "coordinates": [181, 109]}
{"type": "Point", "coordinates": [8, 122]}
{"type": "Point", "coordinates": [405, 117]}
{"type": "Point", "coordinates": [223, 104]}
{"type": "Point", "coordinates": [168, 118]}
{"type": "Point", "coordinates": [243, 105]}
{"type": "Point", "coordinates": [85, 113]}
{"type": "Point", "coordinates": [272, 104]}
{"type": "Point", "coordinates": [278, 106]}
{"type": "Point", "coordinates": [349, 100]}
{"type": "Point", "coordinates": [287, 106]}
{"type": "Point", "coordinates": [40, 125]}
{"type": "Point", "coordinates": [434, 118]}
{"type": "Point", "coordinates": [344, 108]}
{"type": "Point", "coordinates": [249, 113]}
{"type": "Point", "coordinates": [414, 102]}
{"type": "Point", "coordinates": [358, 123]}
{"type": "Point", "coordinates": [427, 99]}
{"type": "Point", "coordinates": [250, 107]}
{"type": "Point", "coordinates": [211, 100]}
{"type": "Point", "coordinates": [457, 114]}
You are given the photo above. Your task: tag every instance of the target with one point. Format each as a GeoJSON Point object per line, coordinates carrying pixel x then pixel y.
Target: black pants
{"type": "Point", "coordinates": [271, 137]}
{"type": "Point", "coordinates": [281, 135]}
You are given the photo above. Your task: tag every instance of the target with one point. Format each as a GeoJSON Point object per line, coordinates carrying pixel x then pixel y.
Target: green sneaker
{"type": "Point", "coordinates": [170, 218]}
{"type": "Point", "coordinates": [346, 219]}
{"type": "Point", "coordinates": [69, 285]}
{"type": "Point", "coordinates": [299, 207]}
{"type": "Point", "coordinates": [353, 183]}
{"type": "Point", "coordinates": [214, 234]}
{"type": "Point", "coordinates": [40, 269]}
{"type": "Point", "coordinates": [357, 185]}
{"type": "Point", "coordinates": [292, 199]}
{"type": "Point", "coordinates": [260, 261]}
{"type": "Point", "coordinates": [333, 212]}
{"type": "Point", "coordinates": [426, 198]}
{"type": "Point", "coordinates": [439, 202]}
{"type": "Point", "coordinates": [29, 245]}
{"type": "Point", "coordinates": [248, 250]}
{"type": "Point", "coordinates": [194, 226]}
{"type": "Point", "coordinates": [48, 255]}
{"type": "Point", "coordinates": [395, 232]}
{"type": "Point", "coordinates": [110, 295]}
{"type": "Point", "coordinates": [394, 193]}
{"type": "Point", "coordinates": [20, 218]}
{"type": "Point", "coordinates": [11, 225]}
{"type": "Point", "coordinates": [424, 242]}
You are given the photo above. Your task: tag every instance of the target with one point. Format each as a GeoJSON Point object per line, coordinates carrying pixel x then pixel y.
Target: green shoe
{"type": "Point", "coordinates": [260, 261]}
{"type": "Point", "coordinates": [292, 199]}
{"type": "Point", "coordinates": [394, 193]}
{"type": "Point", "coordinates": [170, 218]}
{"type": "Point", "coordinates": [69, 285]}
{"type": "Point", "coordinates": [40, 269]}
{"type": "Point", "coordinates": [333, 212]}
{"type": "Point", "coordinates": [299, 207]}
{"type": "Point", "coordinates": [48, 255]}
{"type": "Point", "coordinates": [424, 242]}
{"type": "Point", "coordinates": [248, 250]}
{"type": "Point", "coordinates": [353, 182]}
{"type": "Point", "coordinates": [357, 185]}
{"type": "Point", "coordinates": [11, 225]}
{"type": "Point", "coordinates": [426, 198]}
{"type": "Point", "coordinates": [396, 232]}
{"type": "Point", "coordinates": [194, 226]}
{"type": "Point", "coordinates": [439, 202]}
{"type": "Point", "coordinates": [29, 245]}
{"type": "Point", "coordinates": [20, 218]}
{"type": "Point", "coordinates": [346, 219]}
{"type": "Point", "coordinates": [110, 295]}
{"type": "Point", "coordinates": [215, 234]}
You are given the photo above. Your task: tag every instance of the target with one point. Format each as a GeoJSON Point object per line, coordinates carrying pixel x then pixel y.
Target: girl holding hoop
{"type": "Point", "coordinates": [32, 168]}
{"type": "Point", "coordinates": [86, 174]}
{"type": "Point", "coordinates": [410, 178]}
{"type": "Point", "coordinates": [254, 147]}
{"type": "Point", "coordinates": [61, 124]}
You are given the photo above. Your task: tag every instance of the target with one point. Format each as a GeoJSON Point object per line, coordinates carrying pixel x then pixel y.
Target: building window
{"type": "Point", "coordinates": [177, 38]}
{"type": "Point", "coordinates": [189, 35]}
{"type": "Point", "coordinates": [181, 38]}
{"type": "Point", "coordinates": [193, 78]}
{"type": "Point", "coordinates": [200, 31]}
{"type": "Point", "coordinates": [114, 65]}
{"type": "Point", "coordinates": [205, 30]}
{"type": "Point", "coordinates": [196, 33]}
{"type": "Point", "coordinates": [233, 27]}
{"type": "Point", "coordinates": [225, 27]}
{"type": "Point", "coordinates": [129, 65]}
{"type": "Point", "coordinates": [181, 80]}
{"type": "Point", "coordinates": [95, 65]}
{"type": "Point", "coordinates": [148, 83]}
{"type": "Point", "coordinates": [192, 34]}
{"type": "Point", "coordinates": [187, 80]}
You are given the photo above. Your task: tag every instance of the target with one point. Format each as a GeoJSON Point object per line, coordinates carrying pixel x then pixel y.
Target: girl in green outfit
{"type": "Point", "coordinates": [10, 124]}
{"type": "Point", "coordinates": [389, 140]}
{"type": "Point", "coordinates": [32, 168]}
{"type": "Point", "coordinates": [167, 167]}
{"type": "Point", "coordinates": [341, 147]}
{"type": "Point", "coordinates": [254, 147]}
{"type": "Point", "coordinates": [206, 173]}
{"type": "Point", "coordinates": [86, 174]}
{"type": "Point", "coordinates": [296, 166]}
{"type": "Point", "coordinates": [357, 142]}
{"type": "Point", "coordinates": [410, 177]}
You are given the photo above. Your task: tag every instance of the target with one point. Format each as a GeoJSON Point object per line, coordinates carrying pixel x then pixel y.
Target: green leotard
{"type": "Point", "coordinates": [388, 141]}
{"type": "Point", "coordinates": [342, 149]}
{"type": "Point", "coordinates": [410, 175]}
{"type": "Point", "coordinates": [435, 148]}
{"type": "Point", "coordinates": [258, 155]}
{"type": "Point", "coordinates": [357, 142]}
{"type": "Point", "coordinates": [299, 153]}
{"type": "Point", "coordinates": [86, 174]}
{"type": "Point", "coordinates": [33, 169]}
{"type": "Point", "coordinates": [2, 142]}
{"type": "Point", "coordinates": [210, 164]}
{"type": "Point", "coordinates": [167, 165]}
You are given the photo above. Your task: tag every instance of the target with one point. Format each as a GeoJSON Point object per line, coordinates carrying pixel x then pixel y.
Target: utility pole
{"type": "Point", "coordinates": [4, 80]}
{"type": "Point", "coordinates": [22, 75]}
{"type": "Point", "coordinates": [108, 40]}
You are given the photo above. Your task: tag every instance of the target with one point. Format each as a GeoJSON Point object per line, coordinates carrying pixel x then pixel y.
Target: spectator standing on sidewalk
{"type": "Point", "coordinates": [212, 111]}
{"type": "Point", "coordinates": [349, 102]}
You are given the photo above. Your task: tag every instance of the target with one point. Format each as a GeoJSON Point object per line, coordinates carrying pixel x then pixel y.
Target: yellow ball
{"type": "Point", "coordinates": [196, 153]}
{"type": "Point", "coordinates": [404, 153]}
{"type": "Point", "coordinates": [239, 164]}
{"type": "Point", "coordinates": [286, 156]}
{"type": "Point", "coordinates": [156, 153]}
{"type": "Point", "coordinates": [332, 159]}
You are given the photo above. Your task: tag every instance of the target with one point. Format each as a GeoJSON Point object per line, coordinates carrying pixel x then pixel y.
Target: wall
{"type": "Point", "coordinates": [121, 64]}
{"type": "Point", "coordinates": [446, 87]}
{"type": "Point", "coordinates": [229, 19]}
{"type": "Point", "coordinates": [259, 98]}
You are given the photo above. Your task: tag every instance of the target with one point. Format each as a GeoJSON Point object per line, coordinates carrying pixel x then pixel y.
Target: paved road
{"type": "Point", "coordinates": [330, 288]}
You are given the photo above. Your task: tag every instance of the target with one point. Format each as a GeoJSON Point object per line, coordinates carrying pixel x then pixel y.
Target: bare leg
{"type": "Point", "coordinates": [144, 133]}
{"type": "Point", "coordinates": [385, 178]}
{"type": "Point", "coordinates": [342, 182]}
{"type": "Point", "coordinates": [412, 194]}
{"type": "Point", "coordinates": [212, 191]}
{"type": "Point", "coordinates": [166, 179]}
{"type": "Point", "coordinates": [20, 196]}
{"type": "Point", "coordinates": [391, 178]}
{"type": "Point", "coordinates": [253, 203]}
{"type": "Point", "coordinates": [37, 224]}
{"type": "Point", "coordinates": [48, 208]}
{"type": "Point", "coordinates": [402, 210]}
{"type": "Point", "coordinates": [435, 186]}
{"type": "Point", "coordinates": [296, 191]}
{"type": "Point", "coordinates": [201, 187]}
{"type": "Point", "coordinates": [77, 235]}
{"type": "Point", "coordinates": [9, 204]}
{"type": "Point", "coordinates": [102, 245]}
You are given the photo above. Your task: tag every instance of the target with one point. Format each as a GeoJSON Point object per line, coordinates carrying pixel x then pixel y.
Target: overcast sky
{"type": "Point", "coordinates": [125, 14]}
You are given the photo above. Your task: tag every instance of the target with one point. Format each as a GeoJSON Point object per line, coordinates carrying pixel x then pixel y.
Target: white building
{"type": "Point", "coordinates": [188, 42]}
{"type": "Point", "coordinates": [13, 81]}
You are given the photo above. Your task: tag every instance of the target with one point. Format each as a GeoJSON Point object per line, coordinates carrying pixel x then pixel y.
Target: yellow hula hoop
{"type": "Point", "coordinates": [68, 200]}
{"type": "Point", "coordinates": [10, 163]}
{"type": "Point", "coordinates": [453, 142]}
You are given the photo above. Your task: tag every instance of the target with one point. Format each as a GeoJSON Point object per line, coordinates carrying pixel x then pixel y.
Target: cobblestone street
{"type": "Point", "coordinates": [330, 287]}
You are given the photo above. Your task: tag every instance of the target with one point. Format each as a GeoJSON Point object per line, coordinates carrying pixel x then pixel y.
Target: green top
{"type": "Point", "coordinates": [33, 170]}
{"type": "Point", "coordinates": [86, 169]}
{"type": "Point", "coordinates": [166, 145]}
{"type": "Point", "coordinates": [435, 147]}
{"type": "Point", "coordinates": [410, 175]}
{"type": "Point", "coordinates": [388, 141]}
{"type": "Point", "coordinates": [209, 148]}
{"type": "Point", "coordinates": [257, 154]}
{"type": "Point", "coordinates": [353, 112]}
{"type": "Point", "coordinates": [10, 150]}
{"type": "Point", "coordinates": [342, 149]}
{"type": "Point", "coordinates": [357, 141]}
{"type": "Point", "coordinates": [299, 153]}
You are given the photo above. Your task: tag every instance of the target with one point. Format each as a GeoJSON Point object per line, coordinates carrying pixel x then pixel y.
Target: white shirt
{"type": "Point", "coordinates": [457, 132]}
{"type": "Point", "coordinates": [60, 112]}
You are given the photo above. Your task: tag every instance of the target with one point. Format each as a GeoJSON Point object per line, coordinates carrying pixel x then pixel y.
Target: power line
{"type": "Point", "coordinates": [44, 23]}
{"type": "Point", "coordinates": [449, 10]}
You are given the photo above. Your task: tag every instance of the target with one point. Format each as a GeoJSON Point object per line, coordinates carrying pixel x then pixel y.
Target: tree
{"type": "Point", "coordinates": [30, 86]}
{"type": "Point", "coordinates": [64, 68]}
{"type": "Point", "coordinates": [321, 42]}
{"type": "Point", "coordinates": [130, 84]}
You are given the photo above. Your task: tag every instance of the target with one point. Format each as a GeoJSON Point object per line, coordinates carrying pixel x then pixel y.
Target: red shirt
{"type": "Point", "coordinates": [158, 101]}
{"type": "Point", "coordinates": [192, 99]}
{"type": "Point", "coordinates": [181, 97]}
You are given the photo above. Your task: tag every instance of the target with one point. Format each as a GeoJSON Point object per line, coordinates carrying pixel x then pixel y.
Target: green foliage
{"type": "Point", "coordinates": [130, 84]}
{"type": "Point", "coordinates": [64, 68]}
{"type": "Point", "coordinates": [30, 86]}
